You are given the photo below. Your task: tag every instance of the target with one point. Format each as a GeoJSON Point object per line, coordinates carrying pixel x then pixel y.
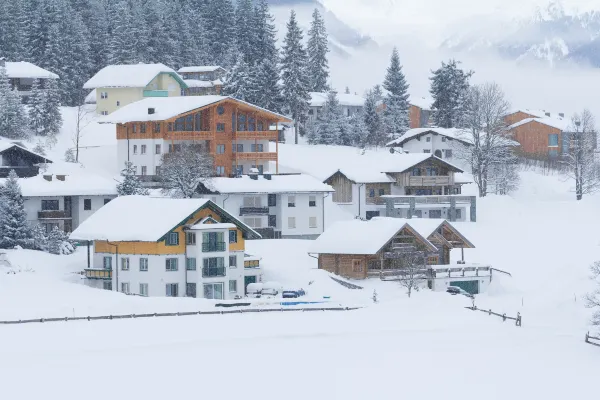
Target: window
{"type": "Point", "coordinates": [190, 290]}
{"type": "Point", "coordinates": [144, 170]}
{"type": "Point", "coordinates": [50, 205]}
{"type": "Point", "coordinates": [170, 127]}
{"type": "Point", "coordinates": [291, 222]}
{"type": "Point", "coordinates": [220, 110]}
{"type": "Point", "coordinates": [312, 222]}
{"type": "Point", "coordinates": [371, 192]}
{"type": "Point", "coordinates": [144, 289]}
{"type": "Point", "coordinates": [357, 266]}
{"type": "Point", "coordinates": [157, 149]}
{"type": "Point", "coordinates": [125, 264]}
{"type": "Point", "coordinates": [143, 149]}
{"type": "Point", "coordinates": [428, 139]}
{"type": "Point", "coordinates": [87, 204]}
{"type": "Point", "coordinates": [381, 192]}
{"type": "Point", "coordinates": [253, 201]}
{"type": "Point", "coordinates": [291, 201]}
{"type": "Point", "coordinates": [179, 124]}
{"type": "Point", "coordinates": [190, 238]}
{"type": "Point", "coordinates": [253, 222]}
{"type": "Point", "coordinates": [553, 140]}
{"type": "Point", "coordinates": [220, 127]}
{"type": "Point", "coordinates": [435, 213]}
{"type": "Point", "coordinates": [220, 149]}
{"type": "Point", "coordinates": [107, 262]}
{"type": "Point", "coordinates": [174, 148]}
{"type": "Point", "coordinates": [135, 149]}
{"type": "Point", "coordinates": [272, 199]}
{"type": "Point", "coordinates": [426, 151]}
{"type": "Point", "coordinates": [190, 264]}
{"type": "Point", "coordinates": [198, 121]}
{"type": "Point", "coordinates": [171, 264]}
{"type": "Point", "coordinates": [133, 128]}
{"type": "Point", "coordinates": [553, 153]}
{"type": "Point", "coordinates": [172, 289]}
{"type": "Point", "coordinates": [189, 123]}
{"type": "Point", "coordinates": [448, 153]}
{"type": "Point", "coordinates": [172, 239]}
{"type": "Point", "coordinates": [312, 201]}
{"type": "Point", "coordinates": [143, 264]}
{"type": "Point", "coordinates": [213, 291]}
{"type": "Point", "coordinates": [232, 261]}
{"type": "Point", "coordinates": [458, 213]}
{"type": "Point", "coordinates": [256, 148]}
{"type": "Point", "coordinates": [106, 201]}
{"type": "Point", "coordinates": [259, 126]}
{"type": "Point", "coordinates": [107, 285]}
{"type": "Point", "coordinates": [311, 111]}
{"type": "Point", "coordinates": [443, 138]}
{"type": "Point", "coordinates": [416, 172]}
{"type": "Point", "coordinates": [418, 213]}
{"type": "Point", "coordinates": [158, 171]}
{"type": "Point", "coordinates": [232, 286]}
{"type": "Point", "coordinates": [118, 103]}
{"type": "Point", "coordinates": [214, 266]}
{"type": "Point", "coordinates": [232, 236]}
{"type": "Point", "coordinates": [156, 129]}
{"type": "Point", "coordinates": [104, 113]}
{"type": "Point", "coordinates": [125, 287]}
{"type": "Point", "coordinates": [238, 148]}
{"type": "Point", "coordinates": [220, 170]}
{"type": "Point", "coordinates": [103, 95]}
{"type": "Point", "coordinates": [213, 241]}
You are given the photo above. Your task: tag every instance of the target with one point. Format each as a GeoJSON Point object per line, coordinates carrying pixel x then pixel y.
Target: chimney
{"type": "Point", "coordinates": [61, 177]}
{"type": "Point", "coordinates": [151, 110]}
{"type": "Point", "coordinates": [547, 114]}
{"type": "Point", "coordinates": [267, 176]}
{"type": "Point", "coordinates": [48, 178]}
{"type": "Point", "coordinates": [562, 115]}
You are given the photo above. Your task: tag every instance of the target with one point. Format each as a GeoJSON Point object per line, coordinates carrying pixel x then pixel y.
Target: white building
{"type": "Point", "coordinates": [276, 206]}
{"type": "Point", "coordinates": [159, 247]}
{"type": "Point", "coordinates": [425, 186]}
{"type": "Point", "coordinates": [23, 74]}
{"type": "Point", "coordinates": [351, 104]}
{"type": "Point", "coordinates": [441, 142]}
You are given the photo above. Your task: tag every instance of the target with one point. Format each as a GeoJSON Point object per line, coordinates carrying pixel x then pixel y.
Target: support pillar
{"type": "Point", "coordinates": [452, 217]}
{"type": "Point", "coordinates": [473, 209]}
{"type": "Point", "coordinates": [88, 255]}
{"type": "Point", "coordinates": [411, 207]}
{"type": "Point", "coordinates": [389, 208]}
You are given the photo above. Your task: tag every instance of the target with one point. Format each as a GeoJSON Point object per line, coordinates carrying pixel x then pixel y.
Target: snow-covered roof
{"type": "Point", "coordinates": [6, 144]}
{"type": "Point", "coordinates": [300, 183]}
{"type": "Point", "coordinates": [557, 123]}
{"type": "Point", "coordinates": [423, 103]}
{"type": "Point", "coordinates": [200, 68]}
{"type": "Point", "coordinates": [197, 83]}
{"type": "Point", "coordinates": [128, 76]}
{"type": "Point", "coordinates": [24, 69]}
{"type": "Point", "coordinates": [205, 227]}
{"type": "Point", "coordinates": [145, 219]}
{"type": "Point", "coordinates": [169, 107]}
{"type": "Point", "coordinates": [91, 97]}
{"type": "Point", "coordinates": [453, 133]}
{"type": "Point", "coordinates": [318, 99]}
{"type": "Point", "coordinates": [361, 237]}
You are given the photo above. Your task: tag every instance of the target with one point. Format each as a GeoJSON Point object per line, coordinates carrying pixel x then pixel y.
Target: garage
{"type": "Point", "coordinates": [468, 286]}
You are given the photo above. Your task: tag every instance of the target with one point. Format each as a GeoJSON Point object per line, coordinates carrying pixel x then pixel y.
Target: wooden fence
{"type": "Point", "coordinates": [592, 340]}
{"type": "Point", "coordinates": [517, 319]}
{"type": "Point", "coordinates": [174, 314]}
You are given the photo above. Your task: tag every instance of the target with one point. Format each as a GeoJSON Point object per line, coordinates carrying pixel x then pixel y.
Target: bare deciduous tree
{"type": "Point", "coordinates": [82, 120]}
{"type": "Point", "coordinates": [579, 160]}
{"type": "Point", "coordinates": [593, 299]}
{"type": "Point", "coordinates": [490, 153]}
{"type": "Point", "coordinates": [183, 170]}
{"type": "Point", "coordinates": [411, 267]}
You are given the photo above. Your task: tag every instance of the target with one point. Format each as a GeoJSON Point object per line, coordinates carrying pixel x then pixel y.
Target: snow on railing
{"type": "Point", "coordinates": [517, 319]}
{"type": "Point", "coordinates": [593, 340]}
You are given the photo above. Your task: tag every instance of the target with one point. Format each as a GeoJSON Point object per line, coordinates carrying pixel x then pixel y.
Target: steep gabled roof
{"type": "Point", "coordinates": [170, 107]}
{"type": "Point", "coordinates": [452, 133]}
{"type": "Point", "coordinates": [147, 219]}
{"type": "Point", "coordinates": [24, 69]}
{"type": "Point", "coordinates": [130, 76]}
{"type": "Point", "coordinates": [6, 145]}
{"type": "Point", "coordinates": [293, 183]}
{"type": "Point", "coordinates": [200, 68]}
{"type": "Point", "coordinates": [560, 124]}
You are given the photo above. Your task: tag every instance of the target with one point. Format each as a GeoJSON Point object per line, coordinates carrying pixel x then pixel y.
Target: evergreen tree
{"type": "Point", "coordinates": [37, 102]}
{"type": "Point", "coordinates": [94, 16]}
{"type": "Point", "coordinates": [294, 74]}
{"type": "Point", "coordinates": [449, 88]}
{"type": "Point", "coordinates": [359, 133]}
{"type": "Point", "coordinates": [265, 35]}
{"type": "Point", "coordinates": [396, 118]}
{"type": "Point", "coordinates": [237, 82]}
{"type": "Point", "coordinates": [14, 121]}
{"type": "Point", "coordinates": [131, 184]}
{"type": "Point", "coordinates": [245, 30]}
{"type": "Point", "coordinates": [267, 83]}
{"type": "Point", "coordinates": [58, 242]}
{"type": "Point", "coordinates": [39, 148]}
{"type": "Point", "coordinates": [70, 156]}
{"type": "Point", "coordinates": [318, 67]}
{"type": "Point", "coordinates": [373, 122]}
{"type": "Point", "coordinates": [331, 126]}
{"type": "Point", "coordinates": [347, 91]}
{"type": "Point", "coordinates": [14, 229]}
{"type": "Point", "coordinates": [51, 109]}
{"type": "Point", "coordinates": [40, 238]}
{"type": "Point", "coordinates": [123, 42]}
{"type": "Point", "coordinates": [13, 37]}
{"type": "Point", "coordinates": [220, 32]}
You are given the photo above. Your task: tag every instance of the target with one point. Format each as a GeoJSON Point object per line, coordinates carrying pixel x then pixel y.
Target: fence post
{"type": "Point", "coordinates": [587, 337]}
{"type": "Point", "coordinates": [490, 312]}
{"type": "Point", "coordinates": [518, 322]}
{"type": "Point", "coordinates": [503, 317]}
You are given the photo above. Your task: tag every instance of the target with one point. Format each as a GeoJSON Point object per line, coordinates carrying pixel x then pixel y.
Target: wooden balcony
{"type": "Point", "coordinates": [98, 273]}
{"type": "Point", "coordinates": [430, 181]}
{"type": "Point", "coordinates": [191, 135]}
{"type": "Point", "coordinates": [54, 215]}
{"type": "Point", "coordinates": [264, 156]}
{"type": "Point", "coordinates": [252, 264]}
{"type": "Point", "coordinates": [264, 135]}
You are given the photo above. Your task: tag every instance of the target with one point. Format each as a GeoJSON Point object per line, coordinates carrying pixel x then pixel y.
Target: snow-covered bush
{"type": "Point", "coordinates": [58, 242]}
{"type": "Point", "coordinates": [593, 298]}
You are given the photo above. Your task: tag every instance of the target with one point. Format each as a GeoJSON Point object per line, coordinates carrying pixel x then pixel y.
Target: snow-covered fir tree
{"type": "Point", "coordinates": [317, 48]}
{"type": "Point", "coordinates": [39, 148]}
{"type": "Point", "coordinates": [39, 237]}
{"type": "Point", "coordinates": [37, 104]}
{"type": "Point", "coordinates": [358, 130]}
{"type": "Point", "coordinates": [70, 156]}
{"type": "Point", "coordinates": [14, 229]}
{"type": "Point", "coordinates": [449, 89]}
{"type": "Point", "coordinates": [395, 115]}
{"type": "Point", "coordinates": [123, 48]}
{"type": "Point", "coordinates": [58, 242]}
{"type": "Point", "coordinates": [237, 82]}
{"type": "Point", "coordinates": [52, 116]}
{"type": "Point", "coordinates": [130, 184]}
{"type": "Point", "coordinates": [330, 123]}
{"type": "Point", "coordinates": [373, 120]}
{"type": "Point", "coordinates": [294, 74]}
{"type": "Point", "coordinates": [13, 35]}
{"type": "Point", "coordinates": [245, 31]}
{"type": "Point", "coordinates": [265, 35]}
{"type": "Point", "coordinates": [14, 121]}
{"type": "Point", "coordinates": [268, 88]}
{"type": "Point", "coordinates": [220, 31]}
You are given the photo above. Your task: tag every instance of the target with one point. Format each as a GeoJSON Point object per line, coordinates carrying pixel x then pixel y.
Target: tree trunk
{"type": "Point", "coordinates": [296, 129]}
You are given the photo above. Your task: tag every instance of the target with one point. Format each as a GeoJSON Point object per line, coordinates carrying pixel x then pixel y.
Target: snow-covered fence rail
{"type": "Point", "coordinates": [593, 340]}
{"type": "Point", "coordinates": [173, 314]}
{"type": "Point", "coordinates": [517, 319]}
{"type": "Point", "coordinates": [346, 284]}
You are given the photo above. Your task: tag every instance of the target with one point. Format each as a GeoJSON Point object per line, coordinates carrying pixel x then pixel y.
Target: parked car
{"type": "Point", "coordinates": [271, 289]}
{"type": "Point", "coordinates": [254, 290]}
{"type": "Point", "coordinates": [293, 294]}
{"type": "Point", "coordinates": [454, 290]}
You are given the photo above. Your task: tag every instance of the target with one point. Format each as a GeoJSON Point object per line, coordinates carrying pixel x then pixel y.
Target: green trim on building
{"type": "Point", "coordinates": [156, 93]}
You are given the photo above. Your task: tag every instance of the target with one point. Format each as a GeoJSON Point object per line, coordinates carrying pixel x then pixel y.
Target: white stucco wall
{"type": "Point", "coordinates": [436, 142]}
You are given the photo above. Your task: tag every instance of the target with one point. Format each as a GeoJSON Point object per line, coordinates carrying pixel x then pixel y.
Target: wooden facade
{"type": "Point", "coordinates": [518, 116]}
{"type": "Point", "coordinates": [342, 186]}
{"type": "Point", "coordinates": [534, 139]}
{"type": "Point", "coordinates": [221, 123]}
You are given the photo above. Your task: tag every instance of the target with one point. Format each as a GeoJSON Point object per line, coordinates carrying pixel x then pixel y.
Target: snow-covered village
{"type": "Point", "coordinates": [202, 186]}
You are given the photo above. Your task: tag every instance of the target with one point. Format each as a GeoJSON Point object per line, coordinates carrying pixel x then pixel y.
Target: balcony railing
{"type": "Point", "coordinates": [209, 272]}
{"type": "Point", "coordinates": [189, 135]}
{"type": "Point", "coordinates": [254, 210]}
{"type": "Point", "coordinates": [429, 180]}
{"type": "Point", "coordinates": [261, 135]}
{"type": "Point", "coordinates": [54, 215]}
{"type": "Point", "coordinates": [156, 93]}
{"type": "Point", "coordinates": [213, 247]}
{"type": "Point", "coordinates": [257, 156]}
{"type": "Point", "coordinates": [252, 264]}
{"type": "Point", "coordinates": [98, 273]}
